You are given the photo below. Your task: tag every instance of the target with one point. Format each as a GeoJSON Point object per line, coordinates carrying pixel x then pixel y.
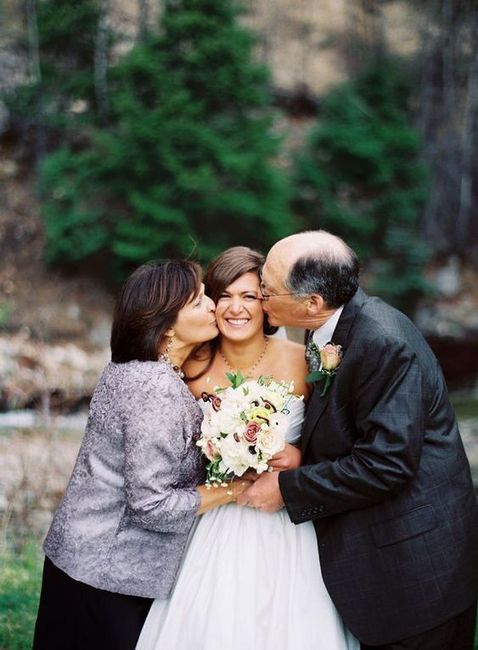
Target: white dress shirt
{"type": "Point", "coordinates": [324, 333]}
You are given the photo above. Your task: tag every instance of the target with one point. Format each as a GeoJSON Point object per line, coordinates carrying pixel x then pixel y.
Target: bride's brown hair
{"type": "Point", "coordinates": [225, 269]}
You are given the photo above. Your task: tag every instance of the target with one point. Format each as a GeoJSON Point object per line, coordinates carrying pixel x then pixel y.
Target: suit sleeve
{"type": "Point", "coordinates": [154, 449]}
{"type": "Point", "coordinates": [390, 421]}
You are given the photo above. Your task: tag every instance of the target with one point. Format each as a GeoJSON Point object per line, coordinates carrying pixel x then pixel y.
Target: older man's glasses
{"type": "Point", "coordinates": [266, 296]}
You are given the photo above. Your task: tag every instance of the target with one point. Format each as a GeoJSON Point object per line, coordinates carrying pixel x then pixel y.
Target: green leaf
{"type": "Point", "coordinates": [236, 378]}
{"type": "Point", "coordinates": [312, 377]}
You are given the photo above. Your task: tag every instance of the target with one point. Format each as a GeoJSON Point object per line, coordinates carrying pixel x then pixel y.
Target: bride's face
{"type": "Point", "coordinates": [239, 311]}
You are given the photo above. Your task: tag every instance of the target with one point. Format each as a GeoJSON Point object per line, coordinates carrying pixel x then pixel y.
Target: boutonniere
{"type": "Point", "coordinates": [330, 356]}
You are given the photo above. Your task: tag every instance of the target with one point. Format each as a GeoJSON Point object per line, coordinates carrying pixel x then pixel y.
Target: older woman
{"type": "Point", "coordinates": [117, 538]}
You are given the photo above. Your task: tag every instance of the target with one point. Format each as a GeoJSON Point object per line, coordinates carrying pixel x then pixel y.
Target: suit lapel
{"type": "Point", "coordinates": [340, 337]}
{"type": "Point", "coordinates": [314, 412]}
{"type": "Point", "coordinates": [347, 317]}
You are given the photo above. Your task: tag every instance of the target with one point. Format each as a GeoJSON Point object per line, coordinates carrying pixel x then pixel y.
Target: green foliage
{"type": "Point", "coordinates": [20, 578]}
{"type": "Point", "coordinates": [186, 156]}
{"type": "Point", "coordinates": [360, 177]}
{"type": "Point", "coordinates": [5, 312]}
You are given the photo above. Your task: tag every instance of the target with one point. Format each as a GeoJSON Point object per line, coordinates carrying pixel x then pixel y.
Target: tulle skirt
{"type": "Point", "coordinates": [248, 580]}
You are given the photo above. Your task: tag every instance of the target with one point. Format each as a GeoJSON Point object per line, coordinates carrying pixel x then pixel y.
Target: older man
{"type": "Point", "coordinates": [384, 477]}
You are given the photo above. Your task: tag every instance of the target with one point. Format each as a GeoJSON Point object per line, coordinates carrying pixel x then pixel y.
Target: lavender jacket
{"type": "Point", "coordinates": [131, 500]}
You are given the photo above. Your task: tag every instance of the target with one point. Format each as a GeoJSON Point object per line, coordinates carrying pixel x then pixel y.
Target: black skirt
{"type": "Point", "coordinates": [75, 616]}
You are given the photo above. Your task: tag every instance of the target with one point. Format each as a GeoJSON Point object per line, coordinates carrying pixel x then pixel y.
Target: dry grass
{"type": "Point", "coordinates": [34, 467]}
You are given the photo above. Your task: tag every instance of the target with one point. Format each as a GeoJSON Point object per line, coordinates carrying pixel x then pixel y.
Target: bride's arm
{"type": "Point", "coordinates": [212, 497]}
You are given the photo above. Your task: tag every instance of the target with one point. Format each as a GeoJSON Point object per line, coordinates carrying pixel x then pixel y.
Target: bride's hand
{"type": "Point", "coordinates": [289, 458]}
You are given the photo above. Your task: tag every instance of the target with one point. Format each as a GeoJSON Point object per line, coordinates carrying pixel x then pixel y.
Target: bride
{"type": "Point", "coordinates": [249, 579]}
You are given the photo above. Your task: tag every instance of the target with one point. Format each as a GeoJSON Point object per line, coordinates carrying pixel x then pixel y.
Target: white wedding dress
{"type": "Point", "coordinates": [249, 581]}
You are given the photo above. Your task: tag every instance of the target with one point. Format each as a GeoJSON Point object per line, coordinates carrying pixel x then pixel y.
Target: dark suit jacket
{"type": "Point", "coordinates": [386, 481]}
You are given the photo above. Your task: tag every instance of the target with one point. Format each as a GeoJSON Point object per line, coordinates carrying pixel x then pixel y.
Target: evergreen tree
{"type": "Point", "coordinates": [188, 153]}
{"type": "Point", "coordinates": [360, 177]}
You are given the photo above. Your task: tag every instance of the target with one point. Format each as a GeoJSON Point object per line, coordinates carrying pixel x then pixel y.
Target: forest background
{"type": "Point", "coordinates": [142, 129]}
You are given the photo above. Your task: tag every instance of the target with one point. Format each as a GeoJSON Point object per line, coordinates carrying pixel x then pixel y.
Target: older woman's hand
{"type": "Point", "coordinates": [212, 497]}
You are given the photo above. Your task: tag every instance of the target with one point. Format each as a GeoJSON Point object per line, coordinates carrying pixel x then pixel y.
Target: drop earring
{"type": "Point", "coordinates": [165, 356]}
{"type": "Point", "coordinates": [169, 347]}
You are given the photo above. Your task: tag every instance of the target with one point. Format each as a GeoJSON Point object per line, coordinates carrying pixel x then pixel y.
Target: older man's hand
{"type": "Point", "coordinates": [264, 494]}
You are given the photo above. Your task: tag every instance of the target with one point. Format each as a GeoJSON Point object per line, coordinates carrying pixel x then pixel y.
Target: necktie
{"type": "Point", "coordinates": [311, 356]}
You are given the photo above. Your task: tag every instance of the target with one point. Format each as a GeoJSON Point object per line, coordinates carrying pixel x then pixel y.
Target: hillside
{"type": "Point", "coordinates": [54, 328]}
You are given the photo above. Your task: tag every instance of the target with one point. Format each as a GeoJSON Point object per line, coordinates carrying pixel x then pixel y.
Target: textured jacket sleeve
{"type": "Point", "coordinates": [389, 416]}
{"type": "Point", "coordinates": [155, 446]}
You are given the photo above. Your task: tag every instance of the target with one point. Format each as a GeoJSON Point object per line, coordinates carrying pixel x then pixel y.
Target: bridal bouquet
{"type": "Point", "coordinates": [244, 426]}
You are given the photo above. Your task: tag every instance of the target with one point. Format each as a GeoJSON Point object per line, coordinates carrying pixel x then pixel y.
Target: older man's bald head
{"type": "Point", "coordinates": [316, 243]}
{"type": "Point", "coordinates": [316, 262]}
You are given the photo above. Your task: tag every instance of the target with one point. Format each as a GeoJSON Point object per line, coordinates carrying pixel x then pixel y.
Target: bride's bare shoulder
{"type": "Point", "coordinates": [291, 349]}
{"type": "Point", "coordinates": [289, 363]}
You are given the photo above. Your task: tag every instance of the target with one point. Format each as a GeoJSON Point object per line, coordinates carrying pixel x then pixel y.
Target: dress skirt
{"type": "Point", "coordinates": [75, 616]}
{"type": "Point", "coordinates": [249, 580]}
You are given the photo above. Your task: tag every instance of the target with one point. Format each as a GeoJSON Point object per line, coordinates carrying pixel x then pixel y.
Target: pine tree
{"type": "Point", "coordinates": [188, 153]}
{"type": "Point", "coordinates": [360, 176]}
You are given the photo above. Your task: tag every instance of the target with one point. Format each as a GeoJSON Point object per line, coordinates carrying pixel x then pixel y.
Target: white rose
{"type": "Point", "coordinates": [236, 456]}
{"type": "Point", "coordinates": [271, 440]}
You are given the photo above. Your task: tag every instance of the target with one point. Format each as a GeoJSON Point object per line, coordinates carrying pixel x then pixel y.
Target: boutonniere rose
{"type": "Point", "coordinates": [330, 356]}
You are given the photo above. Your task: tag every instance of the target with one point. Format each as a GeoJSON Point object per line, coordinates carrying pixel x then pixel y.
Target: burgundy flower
{"type": "Point", "coordinates": [214, 399]}
{"type": "Point", "coordinates": [216, 402]}
{"type": "Point", "coordinates": [251, 432]}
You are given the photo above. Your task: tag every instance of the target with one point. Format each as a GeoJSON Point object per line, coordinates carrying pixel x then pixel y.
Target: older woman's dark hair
{"type": "Point", "coordinates": [148, 306]}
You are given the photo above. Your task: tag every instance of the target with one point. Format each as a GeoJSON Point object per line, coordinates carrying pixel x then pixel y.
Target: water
{"type": "Point", "coordinates": [465, 404]}
{"type": "Point", "coordinates": [30, 419]}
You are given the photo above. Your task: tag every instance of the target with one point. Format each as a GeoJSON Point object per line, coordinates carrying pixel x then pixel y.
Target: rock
{"type": "Point", "coordinates": [447, 279]}
{"type": "Point", "coordinates": [100, 332]}
{"type": "Point", "coordinates": [446, 320]}
{"type": "Point", "coordinates": [8, 168]}
{"type": "Point", "coordinates": [73, 311]}
{"type": "Point", "coordinates": [33, 372]}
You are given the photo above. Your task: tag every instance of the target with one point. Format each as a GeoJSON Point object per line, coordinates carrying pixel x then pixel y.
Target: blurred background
{"type": "Point", "coordinates": [133, 130]}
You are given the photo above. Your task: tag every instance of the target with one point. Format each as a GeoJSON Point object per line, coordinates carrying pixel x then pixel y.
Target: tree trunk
{"type": "Point", "coordinates": [468, 140]}
{"type": "Point", "coordinates": [143, 20]}
{"type": "Point", "coordinates": [34, 70]}
{"type": "Point", "coordinates": [447, 118]}
{"type": "Point", "coordinates": [101, 63]}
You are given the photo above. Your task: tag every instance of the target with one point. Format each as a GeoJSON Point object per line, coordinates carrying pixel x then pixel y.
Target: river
{"type": "Point", "coordinates": [465, 404]}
